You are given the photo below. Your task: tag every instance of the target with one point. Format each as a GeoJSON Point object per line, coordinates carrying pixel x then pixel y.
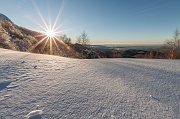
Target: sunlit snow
{"type": "Point", "coordinates": [85, 89]}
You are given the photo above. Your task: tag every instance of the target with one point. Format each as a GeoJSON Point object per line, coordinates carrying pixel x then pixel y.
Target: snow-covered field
{"type": "Point", "coordinates": [50, 87]}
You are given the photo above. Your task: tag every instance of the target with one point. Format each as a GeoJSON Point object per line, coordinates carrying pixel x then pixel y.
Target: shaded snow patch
{"type": "Point", "coordinates": [3, 85]}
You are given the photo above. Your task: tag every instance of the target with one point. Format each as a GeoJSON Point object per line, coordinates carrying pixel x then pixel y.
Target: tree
{"type": "Point", "coordinates": [157, 54]}
{"type": "Point", "coordinates": [78, 39]}
{"type": "Point", "coordinates": [68, 41]}
{"type": "Point", "coordinates": [64, 37]}
{"type": "Point", "coordinates": [149, 54]}
{"type": "Point", "coordinates": [83, 39]}
{"type": "Point", "coordinates": [173, 46]}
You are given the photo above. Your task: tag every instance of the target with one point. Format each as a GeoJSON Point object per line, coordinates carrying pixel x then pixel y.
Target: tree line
{"type": "Point", "coordinates": [170, 49]}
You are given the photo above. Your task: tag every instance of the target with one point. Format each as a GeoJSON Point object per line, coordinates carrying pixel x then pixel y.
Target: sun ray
{"type": "Point", "coordinates": [70, 29]}
{"type": "Point", "coordinates": [56, 44]}
{"type": "Point", "coordinates": [49, 16]}
{"type": "Point", "coordinates": [56, 28]}
{"type": "Point", "coordinates": [58, 39]}
{"type": "Point", "coordinates": [39, 13]}
{"type": "Point", "coordinates": [61, 42]}
{"type": "Point", "coordinates": [50, 23]}
{"type": "Point", "coordinates": [59, 13]}
{"type": "Point", "coordinates": [45, 43]}
{"type": "Point", "coordinates": [36, 23]}
{"type": "Point", "coordinates": [50, 45]}
{"type": "Point", "coordinates": [34, 46]}
{"type": "Point", "coordinates": [40, 35]}
{"type": "Point", "coordinates": [50, 31]}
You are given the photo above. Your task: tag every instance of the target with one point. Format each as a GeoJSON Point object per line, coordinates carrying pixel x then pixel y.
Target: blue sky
{"type": "Point", "coordinates": [105, 21]}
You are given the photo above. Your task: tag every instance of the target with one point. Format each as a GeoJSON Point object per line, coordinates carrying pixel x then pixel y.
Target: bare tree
{"type": "Point", "coordinates": [64, 37]}
{"type": "Point", "coordinates": [173, 46]}
{"type": "Point", "coordinates": [68, 41]}
{"type": "Point", "coordinates": [78, 39]}
{"type": "Point", "coordinates": [83, 39]}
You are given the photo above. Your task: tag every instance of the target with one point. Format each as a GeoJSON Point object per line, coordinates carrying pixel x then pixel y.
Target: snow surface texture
{"type": "Point", "coordinates": [87, 89]}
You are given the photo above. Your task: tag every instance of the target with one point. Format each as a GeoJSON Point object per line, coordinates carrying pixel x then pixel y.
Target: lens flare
{"type": "Point", "coordinates": [51, 35]}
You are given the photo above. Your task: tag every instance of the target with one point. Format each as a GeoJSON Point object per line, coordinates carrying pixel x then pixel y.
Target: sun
{"type": "Point", "coordinates": [50, 33]}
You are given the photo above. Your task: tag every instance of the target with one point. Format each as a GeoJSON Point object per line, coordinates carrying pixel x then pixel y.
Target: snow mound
{"type": "Point", "coordinates": [35, 114]}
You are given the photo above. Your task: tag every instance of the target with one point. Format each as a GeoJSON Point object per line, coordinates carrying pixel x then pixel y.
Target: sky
{"type": "Point", "coordinates": [105, 21]}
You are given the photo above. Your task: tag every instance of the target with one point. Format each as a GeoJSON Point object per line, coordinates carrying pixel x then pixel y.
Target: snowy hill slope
{"type": "Point", "coordinates": [86, 89]}
{"type": "Point", "coordinates": [18, 38]}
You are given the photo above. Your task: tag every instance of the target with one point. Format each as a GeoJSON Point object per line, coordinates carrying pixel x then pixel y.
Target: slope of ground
{"type": "Point", "coordinates": [52, 87]}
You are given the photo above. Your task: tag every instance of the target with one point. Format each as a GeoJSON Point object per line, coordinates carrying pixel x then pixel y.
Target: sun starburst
{"type": "Point", "coordinates": [50, 33]}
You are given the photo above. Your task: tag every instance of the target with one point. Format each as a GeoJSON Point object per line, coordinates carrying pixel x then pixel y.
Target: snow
{"type": "Point", "coordinates": [87, 88]}
{"type": "Point", "coordinates": [35, 114]}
